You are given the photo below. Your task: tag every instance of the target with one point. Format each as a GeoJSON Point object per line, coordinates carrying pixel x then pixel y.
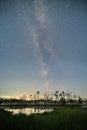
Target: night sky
{"type": "Point", "coordinates": [43, 46]}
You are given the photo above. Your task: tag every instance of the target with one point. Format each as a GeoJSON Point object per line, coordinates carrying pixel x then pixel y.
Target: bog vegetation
{"type": "Point", "coordinates": [61, 118]}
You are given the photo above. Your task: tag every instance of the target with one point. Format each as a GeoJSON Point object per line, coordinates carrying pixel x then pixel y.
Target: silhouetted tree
{"type": "Point", "coordinates": [68, 95]}
{"type": "Point", "coordinates": [62, 94]}
{"type": "Point", "coordinates": [74, 97]}
{"type": "Point", "coordinates": [62, 101]}
{"type": "Point", "coordinates": [79, 100]}
{"type": "Point", "coordinates": [38, 92]}
{"type": "Point", "coordinates": [30, 97]}
{"type": "Point", "coordinates": [51, 96]}
{"type": "Point", "coordinates": [56, 94]}
{"type": "Point", "coordinates": [34, 96]}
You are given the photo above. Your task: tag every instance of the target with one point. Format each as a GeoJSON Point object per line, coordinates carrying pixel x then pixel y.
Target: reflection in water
{"type": "Point", "coordinates": [28, 111]}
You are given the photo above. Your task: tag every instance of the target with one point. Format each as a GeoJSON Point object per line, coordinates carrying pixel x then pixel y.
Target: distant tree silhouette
{"type": "Point", "coordinates": [62, 94]}
{"type": "Point", "coordinates": [51, 96]}
{"type": "Point", "coordinates": [74, 97]}
{"type": "Point", "coordinates": [62, 101]}
{"type": "Point", "coordinates": [79, 100]}
{"type": "Point", "coordinates": [56, 94]}
{"type": "Point", "coordinates": [38, 92]}
{"type": "Point", "coordinates": [68, 95]}
{"type": "Point", "coordinates": [45, 96]}
{"type": "Point", "coordinates": [30, 97]}
{"type": "Point", "coordinates": [34, 96]}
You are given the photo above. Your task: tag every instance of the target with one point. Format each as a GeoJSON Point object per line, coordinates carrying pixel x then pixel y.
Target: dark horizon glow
{"type": "Point", "coordinates": [43, 46]}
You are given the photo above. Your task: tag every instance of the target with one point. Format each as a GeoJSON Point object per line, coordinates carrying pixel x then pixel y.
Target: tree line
{"type": "Point", "coordinates": [53, 98]}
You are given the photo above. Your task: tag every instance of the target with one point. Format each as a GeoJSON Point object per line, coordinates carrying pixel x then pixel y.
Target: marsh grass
{"type": "Point", "coordinates": [62, 118]}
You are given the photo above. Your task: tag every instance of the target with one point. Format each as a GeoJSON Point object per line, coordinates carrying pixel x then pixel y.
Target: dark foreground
{"type": "Point", "coordinates": [63, 118]}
